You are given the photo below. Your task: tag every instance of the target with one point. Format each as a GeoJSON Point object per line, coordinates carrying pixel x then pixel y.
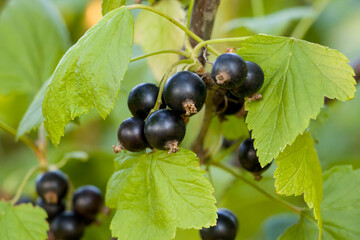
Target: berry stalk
{"type": "Point", "coordinates": [286, 204]}
{"type": "Point", "coordinates": [27, 141]}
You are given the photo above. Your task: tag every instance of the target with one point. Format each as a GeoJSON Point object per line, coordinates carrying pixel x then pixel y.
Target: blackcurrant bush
{"type": "Point", "coordinates": [185, 93]}
{"type": "Point", "coordinates": [142, 99]}
{"type": "Point", "coordinates": [165, 130]}
{"type": "Point", "coordinates": [225, 228]}
{"type": "Point", "coordinates": [52, 186]}
{"type": "Point", "coordinates": [67, 226]}
{"type": "Point", "coordinates": [230, 105]}
{"type": "Point", "coordinates": [87, 202]}
{"type": "Point", "coordinates": [229, 71]}
{"type": "Point", "coordinates": [253, 82]}
{"type": "Point", "coordinates": [52, 210]}
{"type": "Point", "coordinates": [131, 135]}
{"type": "Point", "coordinates": [248, 159]}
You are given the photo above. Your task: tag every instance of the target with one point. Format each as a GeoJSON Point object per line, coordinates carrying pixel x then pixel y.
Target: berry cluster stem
{"type": "Point", "coordinates": [259, 189]}
{"type": "Point", "coordinates": [187, 39]}
{"type": "Point", "coordinates": [181, 53]}
{"type": "Point", "coordinates": [175, 22]}
{"type": "Point", "coordinates": [23, 183]}
{"type": "Point", "coordinates": [214, 41]}
{"type": "Point", "coordinates": [27, 141]}
{"type": "Point", "coordinates": [197, 146]}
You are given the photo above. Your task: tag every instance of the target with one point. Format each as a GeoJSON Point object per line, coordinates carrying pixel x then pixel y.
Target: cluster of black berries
{"type": "Point", "coordinates": [237, 79]}
{"type": "Point", "coordinates": [184, 94]}
{"type": "Point", "coordinates": [225, 229]}
{"type": "Point", "coordinates": [249, 160]}
{"type": "Point", "coordinates": [87, 201]}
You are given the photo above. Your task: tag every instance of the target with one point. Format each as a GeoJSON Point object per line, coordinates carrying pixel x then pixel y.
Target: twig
{"type": "Point", "coordinates": [262, 191]}
{"type": "Point", "coordinates": [28, 141]}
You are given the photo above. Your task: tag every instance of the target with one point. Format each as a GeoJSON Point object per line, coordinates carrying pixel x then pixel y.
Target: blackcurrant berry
{"type": "Point", "coordinates": [185, 93]}
{"type": "Point", "coordinates": [67, 226]}
{"type": "Point", "coordinates": [52, 210]}
{"type": "Point", "coordinates": [253, 82]}
{"type": "Point", "coordinates": [142, 99]}
{"type": "Point", "coordinates": [87, 202]}
{"type": "Point", "coordinates": [230, 104]}
{"type": "Point", "coordinates": [248, 159]}
{"type": "Point", "coordinates": [165, 130]}
{"type": "Point", "coordinates": [229, 71]}
{"type": "Point", "coordinates": [225, 228]}
{"type": "Point", "coordinates": [131, 135]}
{"type": "Point", "coordinates": [52, 186]}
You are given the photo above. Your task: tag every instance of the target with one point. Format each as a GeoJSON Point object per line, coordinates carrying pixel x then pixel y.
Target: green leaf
{"type": "Point", "coordinates": [159, 192]}
{"type": "Point", "coordinates": [340, 208]}
{"type": "Point", "coordinates": [89, 74]}
{"type": "Point", "coordinates": [22, 222]}
{"type": "Point", "coordinates": [299, 172]}
{"type": "Point", "coordinates": [234, 128]}
{"type": "Point", "coordinates": [276, 23]}
{"type": "Point", "coordinates": [154, 33]}
{"type": "Point", "coordinates": [109, 5]}
{"type": "Point", "coordinates": [298, 75]}
{"type": "Point", "coordinates": [33, 116]}
{"type": "Point", "coordinates": [33, 39]}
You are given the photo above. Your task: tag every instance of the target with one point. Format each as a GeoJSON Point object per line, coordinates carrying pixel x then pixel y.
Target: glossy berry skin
{"type": "Point", "coordinates": [67, 226]}
{"type": "Point", "coordinates": [131, 134]}
{"type": "Point", "coordinates": [52, 186]}
{"type": "Point", "coordinates": [142, 99]}
{"type": "Point", "coordinates": [248, 159]}
{"type": "Point", "coordinates": [52, 210]}
{"type": "Point", "coordinates": [87, 202]}
{"type": "Point", "coordinates": [164, 126]}
{"type": "Point", "coordinates": [253, 82]}
{"type": "Point", "coordinates": [229, 71]}
{"type": "Point", "coordinates": [182, 87]}
{"type": "Point", "coordinates": [234, 104]}
{"type": "Point", "coordinates": [225, 228]}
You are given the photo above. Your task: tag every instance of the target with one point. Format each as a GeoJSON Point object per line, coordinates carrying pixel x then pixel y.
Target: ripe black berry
{"type": "Point", "coordinates": [248, 159]}
{"type": "Point", "coordinates": [165, 130]}
{"type": "Point", "coordinates": [230, 104]}
{"type": "Point", "coordinates": [229, 71]}
{"type": "Point", "coordinates": [52, 186]}
{"type": "Point", "coordinates": [52, 210]}
{"type": "Point", "coordinates": [131, 134]}
{"type": "Point", "coordinates": [253, 82]}
{"type": "Point", "coordinates": [142, 99]}
{"type": "Point", "coordinates": [87, 202]}
{"type": "Point", "coordinates": [225, 228]}
{"type": "Point", "coordinates": [185, 93]}
{"type": "Point", "coordinates": [67, 226]}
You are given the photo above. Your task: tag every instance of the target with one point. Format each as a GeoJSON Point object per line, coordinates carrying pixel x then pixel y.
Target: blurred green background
{"type": "Point", "coordinates": [336, 131]}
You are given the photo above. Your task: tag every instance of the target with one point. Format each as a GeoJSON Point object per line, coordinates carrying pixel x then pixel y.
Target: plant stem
{"type": "Point", "coordinates": [187, 39]}
{"type": "Point", "coordinates": [197, 146]}
{"type": "Point", "coordinates": [262, 191]}
{"type": "Point", "coordinates": [215, 41]}
{"type": "Point", "coordinates": [28, 141]}
{"type": "Point", "coordinates": [23, 183]}
{"type": "Point", "coordinates": [202, 22]}
{"type": "Point", "coordinates": [182, 53]}
{"type": "Point", "coordinates": [257, 7]}
{"type": "Point", "coordinates": [305, 23]}
{"type": "Point", "coordinates": [175, 22]}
